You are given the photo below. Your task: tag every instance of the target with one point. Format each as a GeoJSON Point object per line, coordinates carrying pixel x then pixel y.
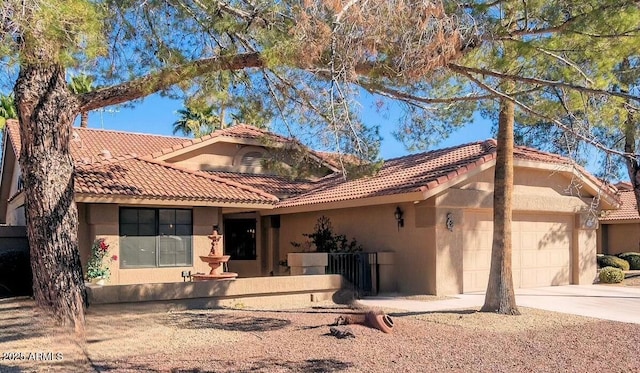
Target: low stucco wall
{"type": "Point", "coordinates": [248, 291]}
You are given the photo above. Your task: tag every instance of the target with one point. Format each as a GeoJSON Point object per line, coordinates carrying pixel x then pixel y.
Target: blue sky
{"type": "Point", "coordinates": [156, 115]}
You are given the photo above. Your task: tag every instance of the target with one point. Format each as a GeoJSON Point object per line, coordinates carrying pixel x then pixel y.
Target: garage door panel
{"type": "Point", "coordinates": [529, 240]}
{"type": "Point", "coordinates": [516, 273]}
{"type": "Point", "coordinates": [477, 280]}
{"type": "Point", "coordinates": [540, 256]}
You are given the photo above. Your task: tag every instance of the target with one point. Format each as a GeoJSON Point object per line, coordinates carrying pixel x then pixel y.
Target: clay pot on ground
{"type": "Point", "coordinates": [379, 321]}
{"type": "Point", "coordinates": [372, 319]}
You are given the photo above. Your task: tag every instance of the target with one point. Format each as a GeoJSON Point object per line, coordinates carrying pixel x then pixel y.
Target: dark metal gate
{"type": "Point", "coordinates": [360, 269]}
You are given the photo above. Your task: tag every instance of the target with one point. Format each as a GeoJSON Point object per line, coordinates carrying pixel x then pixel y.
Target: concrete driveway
{"type": "Point", "coordinates": [617, 303]}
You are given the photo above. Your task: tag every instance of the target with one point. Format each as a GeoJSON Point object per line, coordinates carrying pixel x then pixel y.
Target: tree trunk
{"type": "Point", "coordinates": [500, 295]}
{"type": "Point", "coordinates": [46, 110]}
{"type": "Point", "coordinates": [632, 162]}
{"type": "Point", "coordinates": [84, 119]}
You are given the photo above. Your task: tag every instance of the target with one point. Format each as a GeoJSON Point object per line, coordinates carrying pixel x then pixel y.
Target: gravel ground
{"type": "Point", "coordinates": [229, 340]}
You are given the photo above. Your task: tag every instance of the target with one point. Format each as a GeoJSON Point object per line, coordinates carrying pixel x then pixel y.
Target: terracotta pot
{"type": "Point", "coordinates": [379, 321]}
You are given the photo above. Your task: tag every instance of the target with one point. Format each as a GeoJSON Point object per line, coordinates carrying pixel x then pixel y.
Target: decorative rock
{"type": "Point", "coordinates": [341, 332]}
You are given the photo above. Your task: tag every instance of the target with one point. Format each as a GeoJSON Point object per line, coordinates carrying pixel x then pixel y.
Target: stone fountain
{"type": "Point", "coordinates": [215, 260]}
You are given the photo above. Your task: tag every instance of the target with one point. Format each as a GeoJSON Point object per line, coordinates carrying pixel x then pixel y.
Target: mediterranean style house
{"type": "Point", "coordinates": [155, 199]}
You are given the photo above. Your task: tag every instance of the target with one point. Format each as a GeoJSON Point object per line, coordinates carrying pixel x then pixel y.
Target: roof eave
{"type": "Point", "coordinates": [198, 144]}
{"type": "Point", "coordinates": [348, 203]}
{"type": "Point", "coordinates": [168, 201]}
{"type": "Point", "coordinates": [620, 221]}
{"type": "Point", "coordinates": [416, 196]}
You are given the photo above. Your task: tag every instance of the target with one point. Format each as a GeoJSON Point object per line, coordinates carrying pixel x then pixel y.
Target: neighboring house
{"type": "Point", "coordinates": [156, 198]}
{"type": "Point", "coordinates": [620, 229]}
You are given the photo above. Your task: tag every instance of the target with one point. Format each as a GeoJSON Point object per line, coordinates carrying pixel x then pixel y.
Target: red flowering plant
{"type": "Point", "coordinates": [98, 265]}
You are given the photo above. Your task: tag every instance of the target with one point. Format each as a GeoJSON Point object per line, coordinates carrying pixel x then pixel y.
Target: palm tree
{"type": "Point", "coordinates": [500, 296]}
{"type": "Point", "coordinates": [7, 109]}
{"type": "Point", "coordinates": [82, 84]}
{"type": "Point", "coordinates": [196, 121]}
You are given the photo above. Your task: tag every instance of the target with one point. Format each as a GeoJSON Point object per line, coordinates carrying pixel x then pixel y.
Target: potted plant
{"type": "Point", "coordinates": [98, 265]}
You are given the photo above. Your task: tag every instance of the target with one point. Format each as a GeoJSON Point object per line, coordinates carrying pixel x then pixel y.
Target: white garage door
{"type": "Point", "coordinates": [541, 250]}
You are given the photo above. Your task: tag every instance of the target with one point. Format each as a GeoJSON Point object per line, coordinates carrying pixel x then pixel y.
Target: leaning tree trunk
{"type": "Point", "coordinates": [46, 110]}
{"type": "Point", "coordinates": [632, 162]}
{"type": "Point", "coordinates": [500, 295]}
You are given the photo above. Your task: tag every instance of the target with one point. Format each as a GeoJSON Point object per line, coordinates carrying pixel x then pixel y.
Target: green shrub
{"type": "Point", "coordinates": [632, 258]}
{"type": "Point", "coordinates": [611, 275]}
{"type": "Point", "coordinates": [612, 261]}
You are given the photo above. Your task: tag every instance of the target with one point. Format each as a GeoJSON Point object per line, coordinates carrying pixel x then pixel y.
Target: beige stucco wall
{"type": "Point", "coordinates": [7, 167]}
{"type": "Point", "coordinates": [227, 156]}
{"type": "Point", "coordinates": [17, 171]}
{"type": "Point", "coordinates": [221, 155]}
{"type": "Point", "coordinates": [101, 221]}
{"type": "Point", "coordinates": [583, 260]}
{"type": "Point", "coordinates": [449, 246]}
{"type": "Point", "coordinates": [526, 181]}
{"type": "Point", "coordinates": [15, 214]}
{"type": "Point", "coordinates": [620, 238]}
{"type": "Point", "coordinates": [375, 228]}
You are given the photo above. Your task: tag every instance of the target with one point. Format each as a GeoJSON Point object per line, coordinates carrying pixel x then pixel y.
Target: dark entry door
{"type": "Point", "coordinates": [240, 239]}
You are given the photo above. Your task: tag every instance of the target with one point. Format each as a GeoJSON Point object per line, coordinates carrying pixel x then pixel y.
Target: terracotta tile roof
{"type": "Point", "coordinates": [276, 185]}
{"type": "Point", "coordinates": [89, 143]}
{"type": "Point", "coordinates": [240, 131]}
{"type": "Point", "coordinates": [130, 175]}
{"type": "Point", "coordinates": [413, 173]}
{"type": "Point", "coordinates": [623, 185]}
{"type": "Point", "coordinates": [418, 172]}
{"type": "Point", "coordinates": [143, 177]}
{"type": "Point", "coordinates": [333, 159]}
{"type": "Point", "coordinates": [248, 132]}
{"type": "Point", "coordinates": [627, 211]}
{"type": "Point", "coordinates": [531, 154]}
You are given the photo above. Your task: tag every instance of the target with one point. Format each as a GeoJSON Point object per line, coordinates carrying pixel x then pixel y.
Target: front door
{"type": "Point", "coordinates": [240, 239]}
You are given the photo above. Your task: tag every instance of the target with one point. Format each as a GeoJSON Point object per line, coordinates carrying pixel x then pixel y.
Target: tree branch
{"type": "Point", "coordinates": [412, 99]}
{"type": "Point", "coordinates": [556, 122]}
{"type": "Point", "coordinates": [464, 70]}
{"type": "Point", "coordinates": [163, 79]}
{"type": "Point", "coordinates": [407, 97]}
{"type": "Point", "coordinates": [566, 61]}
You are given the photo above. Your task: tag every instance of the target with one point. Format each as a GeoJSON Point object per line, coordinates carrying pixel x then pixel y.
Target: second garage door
{"type": "Point", "coordinates": [541, 250]}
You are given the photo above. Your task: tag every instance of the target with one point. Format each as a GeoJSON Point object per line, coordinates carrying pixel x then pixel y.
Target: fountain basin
{"type": "Point", "coordinates": [215, 259]}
